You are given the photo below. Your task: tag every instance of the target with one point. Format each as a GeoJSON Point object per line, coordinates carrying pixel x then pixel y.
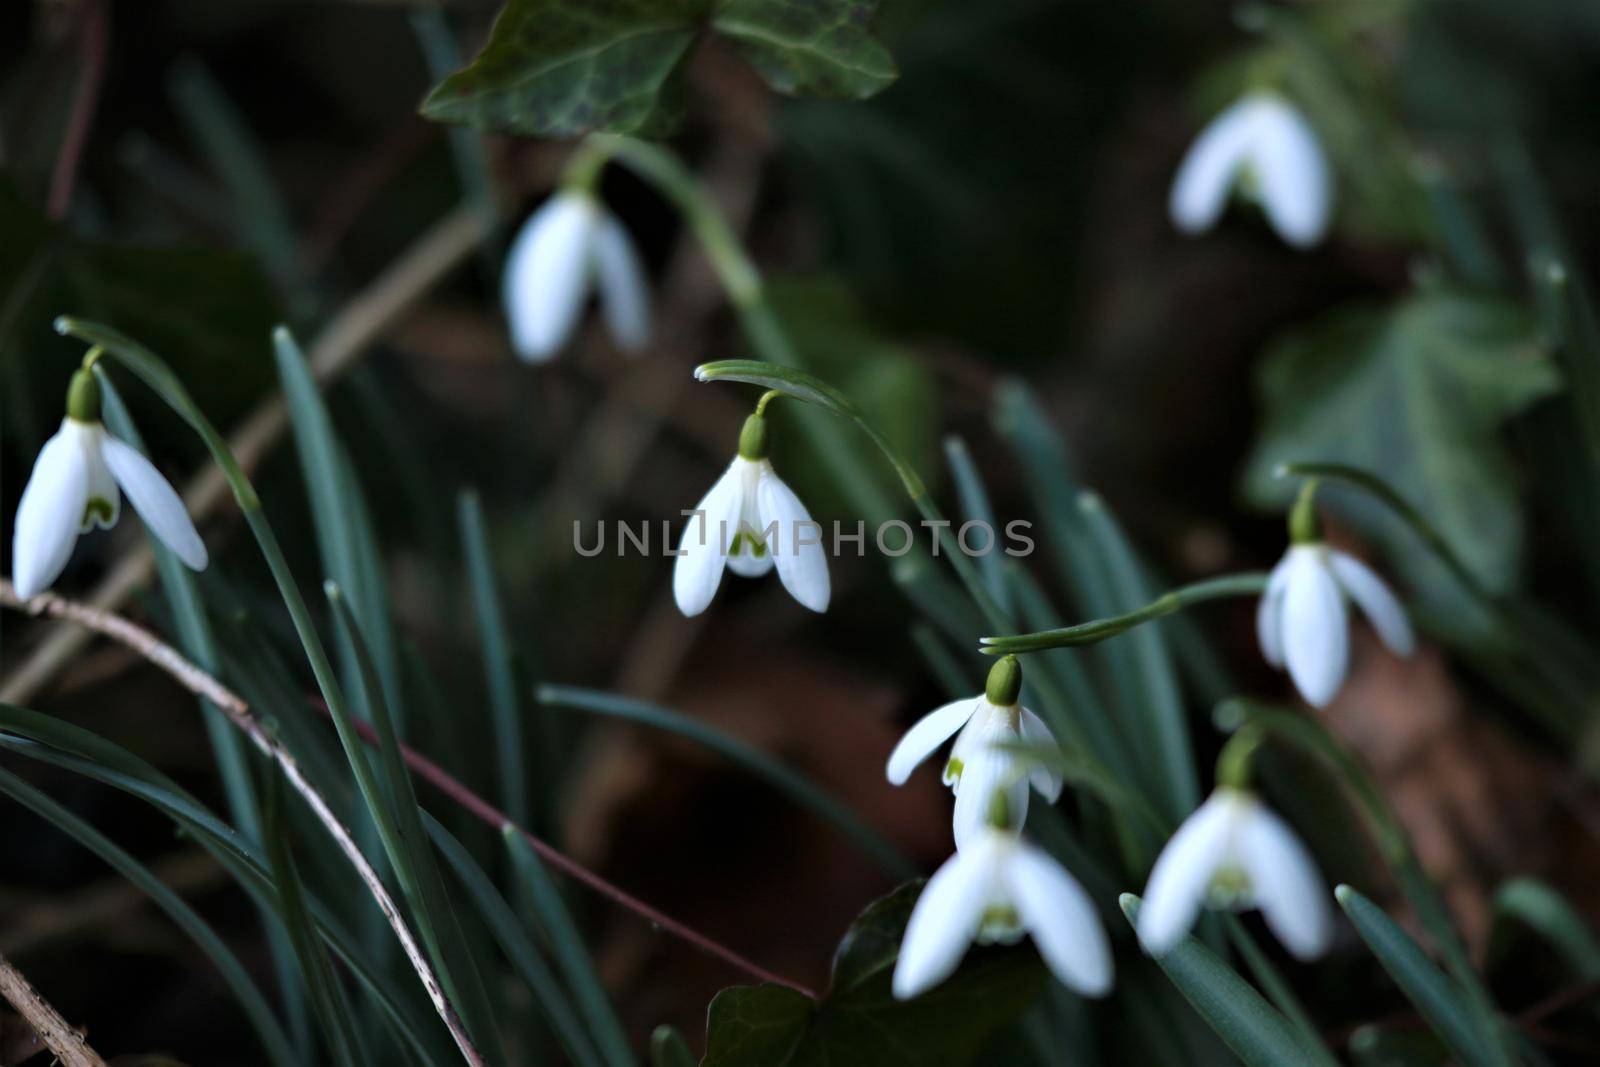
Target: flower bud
{"type": "Point", "coordinates": [83, 396]}
{"type": "Point", "coordinates": [753, 438]}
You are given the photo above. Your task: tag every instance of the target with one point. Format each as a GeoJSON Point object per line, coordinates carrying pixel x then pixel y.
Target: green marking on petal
{"type": "Point", "coordinates": [1230, 888]}
{"type": "Point", "coordinates": [98, 510]}
{"type": "Point", "coordinates": [953, 769]}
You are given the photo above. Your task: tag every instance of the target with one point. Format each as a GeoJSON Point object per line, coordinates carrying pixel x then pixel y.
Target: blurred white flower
{"type": "Point", "coordinates": [73, 488]}
{"type": "Point", "coordinates": [1264, 146]}
{"type": "Point", "coordinates": [569, 246]}
{"type": "Point", "coordinates": [979, 764]}
{"type": "Point", "coordinates": [751, 521]}
{"type": "Point", "coordinates": [1233, 853]}
{"type": "Point", "coordinates": [1302, 623]}
{"type": "Point", "coordinates": [996, 889]}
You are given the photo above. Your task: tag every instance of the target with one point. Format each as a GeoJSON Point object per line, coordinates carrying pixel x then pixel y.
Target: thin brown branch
{"type": "Point", "coordinates": [65, 1043]}
{"type": "Point", "coordinates": [95, 29]}
{"type": "Point", "coordinates": [203, 685]}
{"type": "Point", "coordinates": [457, 791]}
{"type": "Point", "coordinates": [370, 315]}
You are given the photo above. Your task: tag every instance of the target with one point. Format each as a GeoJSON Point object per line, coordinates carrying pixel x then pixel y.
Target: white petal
{"type": "Point", "coordinates": [1061, 918]}
{"type": "Point", "coordinates": [704, 545]}
{"type": "Point", "coordinates": [1183, 872]}
{"type": "Point", "coordinates": [746, 564]}
{"type": "Point", "coordinates": [986, 767]}
{"type": "Point", "coordinates": [624, 291]}
{"type": "Point", "coordinates": [803, 568]}
{"type": "Point", "coordinates": [50, 511]}
{"type": "Point", "coordinates": [929, 732]}
{"type": "Point", "coordinates": [1287, 886]}
{"type": "Point", "coordinates": [1206, 176]}
{"type": "Point", "coordinates": [1269, 615]}
{"type": "Point", "coordinates": [1295, 186]}
{"type": "Point", "coordinates": [1316, 638]}
{"type": "Point", "coordinates": [157, 503]}
{"type": "Point", "coordinates": [103, 503]}
{"type": "Point", "coordinates": [1036, 733]}
{"type": "Point", "coordinates": [1376, 602]}
{"type": "Point", "coordinates": [943, 923]}
{"type": "Point", "coordinates": [547, 274]}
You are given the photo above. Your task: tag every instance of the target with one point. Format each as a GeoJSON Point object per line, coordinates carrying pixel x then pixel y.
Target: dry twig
{"type": "Point", "coordinates": [65, 1043]}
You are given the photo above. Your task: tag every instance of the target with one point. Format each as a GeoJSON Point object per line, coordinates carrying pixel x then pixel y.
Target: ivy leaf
{"type": "Point", "coordinates": [1417, 393]}
{"type": "Point", "coordinates": [858, 1023]}
{"type": "Point", "coordinates": [806, 48]}
{"type": "Point", "coordinates": [560, 68]}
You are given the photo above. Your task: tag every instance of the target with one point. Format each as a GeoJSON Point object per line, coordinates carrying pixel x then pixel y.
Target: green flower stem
{"type": "Point", "coordinates": [1307, 733]}
{"type": "Point", "coordinates": [1249, 583]}
{"type": "Point", "coordinates": [159, 377]}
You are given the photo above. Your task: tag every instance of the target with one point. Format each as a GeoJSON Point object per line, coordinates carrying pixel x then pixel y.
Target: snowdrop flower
{"type": "Point", "coordinates": [1302, 622]}
{"type": "Point", "coordinates": [979, 764]}
{"type": "Point", "coordinates": [1233, 853]}
{"type": "Point", "coordinates": [74, 488]}
{"type": "Point", "coordinates": [751, 521]}
{"type": "Point", "coordinates": [568, 246]}
{"type": "Point", "coordinates": [995, 890]}
{"type": "Point", "coordinates": [1266, 146]}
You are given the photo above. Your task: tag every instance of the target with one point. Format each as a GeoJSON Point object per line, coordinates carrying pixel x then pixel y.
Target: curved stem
{"type": "Point", "coordinates": [1250, 583]}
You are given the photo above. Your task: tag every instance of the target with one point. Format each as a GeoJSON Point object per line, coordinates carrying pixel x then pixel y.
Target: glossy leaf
{"type": "Point", "coordinates": [858, 1023]}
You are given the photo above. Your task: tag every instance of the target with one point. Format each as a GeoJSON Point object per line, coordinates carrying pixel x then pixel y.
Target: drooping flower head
{"type": "Point", "coordinates": [569, 247]}
{"type": "Point", "coordinates": [1263, 146]}
{"type": "Point", "coordinates": [1234, 854]}
{"type": "Point", "coordinates": [74, 487]}
{"type": "Point", "coordinates": [1302, 622]}
{"type": "Point", "coordinates": [750, 522]}
{"type": "Point", "coordinates": [996, 889]}
{"type": "Point", "coordinates": [980, 763]}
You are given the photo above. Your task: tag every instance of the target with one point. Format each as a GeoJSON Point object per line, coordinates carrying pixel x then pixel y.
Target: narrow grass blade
{"type": "Point", "coordinates": [975, 508]}
{"type": "Point", "coordinates": [73, 748]}
{"type": "Point", "coordinates": [518, 947]}
{"type": "Point", "coordinates": [406, 844]}
{"type": "Point", "coordinates": [669, 1049]}
{"type": "Point", "coordinates": [280, 1050]}
{"type": "Point", "coordinates": [509, 743]}
{"type": "Point", "coordinates": [1277, 989]}
{"type": "Point", "coordinates": [544, 900]}
{"type": "Point", "coordinates": [1543, 910]}
{"type": "Point", "coordinates": [941, 662]}
{"type": "Point", "coordinates": [796, 786]}
{"type": "Point", "coordinates": [337, 1026]}
{"type": "Point", "coordinates": [1251, 1027]}
{"type": "Point", "coordinates": [1438, 999]}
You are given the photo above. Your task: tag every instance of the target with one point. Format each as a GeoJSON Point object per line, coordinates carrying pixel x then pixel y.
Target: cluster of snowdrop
{"type": "Point", "coordinates": [1230, 853]}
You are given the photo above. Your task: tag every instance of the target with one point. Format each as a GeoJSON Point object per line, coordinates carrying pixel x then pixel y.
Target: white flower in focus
{"type": "Point", "coordinates": [74, 487]}
{"type": "Point", "coordinates": [571, 245]}
{"type": "Point", "coordinates": [1302, 622]}
{"type": "Point", "coordinates": [1264, 145]}
{"type": "Point", "coordinates": [979, 763]}
{"type": "Point", "coordinates": [750, 521]}
{"type": "Point", "coordinates": [1233, 853]}
{"type": "Point", "coordinates": [996, 889]}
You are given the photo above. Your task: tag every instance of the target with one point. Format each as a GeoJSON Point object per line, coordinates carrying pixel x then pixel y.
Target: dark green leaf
{"type": "Point", "coordinates": [858, 1023]}
{"type": "Point", "coordinates": [558, 68]}
{"type": "Point", "coordinates": [1419, 392]}
{"type": "Point", "coordinates": [806, 48]}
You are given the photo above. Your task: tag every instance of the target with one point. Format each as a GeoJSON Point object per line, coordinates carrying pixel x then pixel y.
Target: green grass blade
{"type": "Point", "coordinates": [509, 743]}
{"type": "Point", "coordinates": [518, 947]}
{"type": "Point", "coordinates": [941, 662]}
{"type": "Point", "coordinates": [337, 1026]}
{"type": "Point", "coordinates": [543, 900]}
{"type": "Point", "coordinates": [406, 844]}
{"type": "Point", "coordinates": [975, 507]}
{"type": "Point", "coordinates": [280, 1050]}
{"type": "Point", "coordinates": [1543, 910]}
{"type": "Point", "coordinates": [669, 1049]}
{"type": "Point", "coordinates": [792, 784]}
{"type": "Point", "coordinates": [1152, 702]}
{"type": "Point", "coordinates": [1282, 996]}
{"type": "Point", "coordinates": [1437, 998]}
{"type": "Point", "coordinates": [1251, 1027]}
{"type": "Point", "coordinates": [61, 744]}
